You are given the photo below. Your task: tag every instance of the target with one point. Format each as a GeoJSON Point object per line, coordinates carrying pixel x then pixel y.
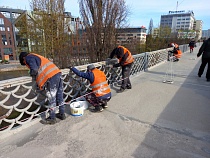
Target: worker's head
{"type": "Point", "coordinates": [22, 57]}
{"type": "Point", "coordinates": [90, 67]}
{"type": "Point", "coordinates": [116, 52]}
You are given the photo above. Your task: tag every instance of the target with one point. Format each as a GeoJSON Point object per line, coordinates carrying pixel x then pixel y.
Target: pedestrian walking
{"type": "Point", "coordinates": [125, 61]}
{"type": "Point", "coordinates": [205, 52]}
{"type": "Point", "coordinates": [46, 76]}
{"type": "Point", "coordinates": [101, 92]}
{"type": "Point", "coordinates": [192, 44]}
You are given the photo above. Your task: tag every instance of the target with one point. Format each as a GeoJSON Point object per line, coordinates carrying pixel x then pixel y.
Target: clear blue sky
{"type": "Point", "coordinates": [141, 11]}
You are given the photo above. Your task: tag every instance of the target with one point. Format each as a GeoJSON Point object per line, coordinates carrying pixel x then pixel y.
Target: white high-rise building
{"type": "Point", "coordinates": [178, 20]}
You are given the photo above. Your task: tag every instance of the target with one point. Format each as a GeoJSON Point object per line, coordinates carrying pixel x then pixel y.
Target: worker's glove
{"type": "Point", "coordinates": [108, 61]}
{"type": "Point", "coordinates": [34, 85]}
{"type": "Point", "coordinates": [70, 67]}
{"type": "Point", "coordinates": [110, 66]}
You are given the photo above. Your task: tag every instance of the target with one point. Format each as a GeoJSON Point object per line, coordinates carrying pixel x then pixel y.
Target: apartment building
{"type": "Point", "coordinates": [198, 25]}
{"type": "Point", "coordinates": [8, 32]}
{"type": "Point", "coordinates": [155, 32]}
{"type": "Point", "coordinates": [128, 35]}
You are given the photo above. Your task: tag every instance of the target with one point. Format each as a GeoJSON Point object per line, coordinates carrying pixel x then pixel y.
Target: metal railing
{"type": "Point", "coordinates": [19, 104]}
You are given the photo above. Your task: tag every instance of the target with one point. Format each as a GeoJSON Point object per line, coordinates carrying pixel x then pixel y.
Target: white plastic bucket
{"type": "Point", "coordinates": [77, 108]}
{"type": "Point", "coordinates": [84, 103]}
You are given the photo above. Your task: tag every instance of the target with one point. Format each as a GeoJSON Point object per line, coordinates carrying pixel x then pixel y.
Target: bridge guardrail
{"type": "Point", "coordinates": [19, 104]}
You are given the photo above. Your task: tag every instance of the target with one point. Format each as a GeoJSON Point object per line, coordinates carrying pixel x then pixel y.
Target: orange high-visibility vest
{"type": "Point", "coordinates": [100, 85]}
{"type": "Point", "coordinates": [46, 70]}
{"type": "Point", "coordinates": [130, 58]}
{"type": "Point", "coordinates": [179, 54]}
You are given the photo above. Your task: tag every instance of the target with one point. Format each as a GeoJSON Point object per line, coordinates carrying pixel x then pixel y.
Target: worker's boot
{"type": "Point", "coordinates": [129, 86]}
{"type": "Point", "coordinates": [50, 121]}
{"type": "Point", "coordinates": [121, 90]}
{"type": "Point", "coordinates": [98, 108]}
{"type": "Point", "coordinates": [104, 105]}
{"type": "Point", "coordinates": [61, 116]}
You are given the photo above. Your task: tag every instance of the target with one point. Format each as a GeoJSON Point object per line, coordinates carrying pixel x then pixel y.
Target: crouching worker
{"type": "Point", "coordinates": [47, 76]}
{"type": "Point", "coordinates": [176, 52]}
{"type": "Point", "coordinates": [101, 92]}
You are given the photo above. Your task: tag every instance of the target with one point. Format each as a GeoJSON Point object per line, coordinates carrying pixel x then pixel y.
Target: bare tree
{"type": "Point", "coordinates": [100, 19]}
{"type": "Point", "coordinates": [44, 29]}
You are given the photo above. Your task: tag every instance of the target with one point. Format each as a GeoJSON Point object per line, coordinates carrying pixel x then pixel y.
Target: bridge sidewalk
{"type": "Point", "coordinates": [153, 119]}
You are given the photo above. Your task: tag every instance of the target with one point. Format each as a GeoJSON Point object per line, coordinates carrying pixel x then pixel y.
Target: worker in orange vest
{"type": "Point", "coordinates": [47, 76]}
{"type": "Point", "coordinates": [101, 92]}
{"type": "Point", "coordinates": [176, 52]}
{"type": "Point", "coordinates": [125, 61]}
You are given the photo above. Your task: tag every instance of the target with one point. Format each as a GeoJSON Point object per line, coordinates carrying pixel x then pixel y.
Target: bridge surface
{"type": "Point", "coordinates": [152, 120]}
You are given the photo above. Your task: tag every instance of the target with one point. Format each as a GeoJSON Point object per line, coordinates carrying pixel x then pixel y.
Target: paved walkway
{"type": "Point", "coordinates": [152, 120]}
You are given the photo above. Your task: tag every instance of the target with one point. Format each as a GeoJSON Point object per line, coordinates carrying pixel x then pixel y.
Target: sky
{"type": "Point", "coordinates": [140, 11]}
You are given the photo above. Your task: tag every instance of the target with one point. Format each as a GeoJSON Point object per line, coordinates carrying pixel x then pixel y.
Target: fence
{"type": "Point", "coordinates": [19, 104]}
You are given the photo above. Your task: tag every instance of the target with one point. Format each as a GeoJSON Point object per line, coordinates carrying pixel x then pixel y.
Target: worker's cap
{"type": "Point", "coordinates": [21, 56]}
{"type": "Point", "coordinates": [90, 67]}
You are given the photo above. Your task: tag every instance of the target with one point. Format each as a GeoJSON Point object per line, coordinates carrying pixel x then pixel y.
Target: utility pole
{"type": "Point", "coordinates": [176, 5]}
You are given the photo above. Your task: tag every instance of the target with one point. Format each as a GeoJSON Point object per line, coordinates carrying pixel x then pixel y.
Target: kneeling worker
{"type": "Point", "coordinates": [101, 92]}
{"type": "Point", "coordinates": [175, 52]}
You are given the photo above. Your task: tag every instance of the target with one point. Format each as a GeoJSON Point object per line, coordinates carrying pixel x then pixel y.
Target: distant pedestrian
{"type": "Point", "coordinates": [192, 44]}
{"type": "Point", "coordinates": [101, 92]}
{"type": "Point", "coordinates": [47, 76]}
{"type": "Point", "coordinates": [205, 51]}
{"type": "Point", "coordinates": [125, 61]}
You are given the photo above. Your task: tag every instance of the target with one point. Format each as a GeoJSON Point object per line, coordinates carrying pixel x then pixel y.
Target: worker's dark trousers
{"type": "Point", "coordinates": [202, 67]}
{"type": "Point", "coordinates": [54, 93]}
{"type": "Point", "coordinates": [126, 69]}
{"type": "Point", "coordinates": [96, 101]}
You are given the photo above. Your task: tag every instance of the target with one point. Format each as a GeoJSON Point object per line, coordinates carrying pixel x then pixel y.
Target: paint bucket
{"type": "Point", "coordinates": [84, 102]}
{"type": "Point", "coordinates": [77, 108]}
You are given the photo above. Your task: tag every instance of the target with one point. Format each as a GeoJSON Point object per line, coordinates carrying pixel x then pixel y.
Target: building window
{"type": "Point", "coordinates": [15, 15]}
{"type": "Point", "coordinates": [129, 34]}
{"type": "Point", "coordinates": [7, 51]}
{"type": "Point", "coordinates": [2, 28]}
{"type": "Point", "coordinates": [8, 29]}
{"type": "Point", "coordinates": [6, 14]}
{"type": "Point", "coordinates": [4, 40]}
{"type": "Point", "coordinates": [2, 21]}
